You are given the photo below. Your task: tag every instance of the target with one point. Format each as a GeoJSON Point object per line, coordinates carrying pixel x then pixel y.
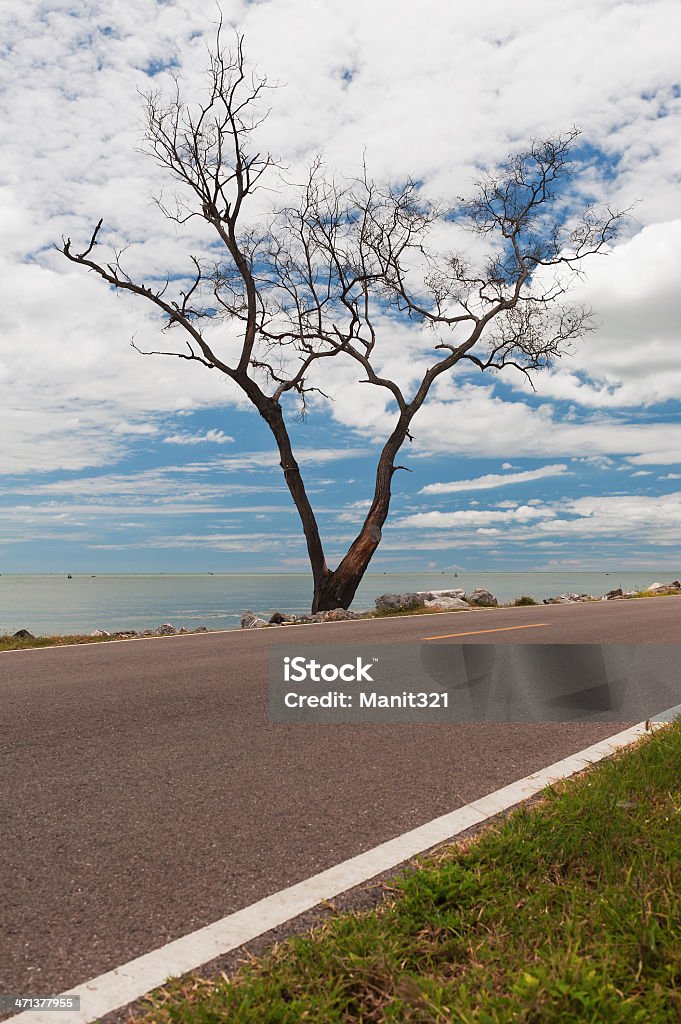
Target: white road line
{"type": "Point", "coordinates": [123, 985]}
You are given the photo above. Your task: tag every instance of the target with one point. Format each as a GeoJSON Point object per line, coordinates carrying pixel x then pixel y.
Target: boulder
{"type": "Point", "coordinates": [655, 588]}
{"type": "Point", "coordinates": [165, 629]}
{"type": "Point", "coordinates": [200, 629]}
{"type": "Point", "coordinates": [99, 632]}
{"type": "Point", "coordinates": [23, 634]}
{"type": "Point", "coordinates": [334, 615]}
{"type": "Point", "coordinates": [612, 595]}
{"type": "Point", "coordinates": [281, 619]}
{"type": "Point", "coordinates": [434, 595]}
{"type": "Point", "coordinates": [399, 602]}
{"type": "Point", "coordinates": [481, 598]}
{"type": "Point", "coordinates": [249, 620]}
{"type": "Point", "coordinates": [448, 604]}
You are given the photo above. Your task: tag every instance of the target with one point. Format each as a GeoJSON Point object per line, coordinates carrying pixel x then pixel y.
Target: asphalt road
{"type": "Point", "coordinates": [145, 794]}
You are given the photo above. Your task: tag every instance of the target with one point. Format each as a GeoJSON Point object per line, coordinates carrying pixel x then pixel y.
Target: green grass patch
{"type": "Point", "coordinates": [569, 911]}
{"type": "Point", "coordinates": [415, 609]}
{"type": "Point", "coordinates": [11, 643]}
{"type": "Point", "coordinates": [525, 599]}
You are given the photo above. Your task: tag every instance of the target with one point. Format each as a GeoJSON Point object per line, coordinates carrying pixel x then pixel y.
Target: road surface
{"type": "Point", "coordinates": [145, 794]}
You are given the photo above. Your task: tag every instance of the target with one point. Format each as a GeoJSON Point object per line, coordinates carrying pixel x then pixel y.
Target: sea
{"type": "Point", "coordinates": [57, 604]}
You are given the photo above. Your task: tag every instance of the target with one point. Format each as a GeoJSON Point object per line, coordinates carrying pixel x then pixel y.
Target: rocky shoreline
{"type": "Point", "coordinates": [448, 601]}
{"type": "Point", "coordinates": [391, 604]}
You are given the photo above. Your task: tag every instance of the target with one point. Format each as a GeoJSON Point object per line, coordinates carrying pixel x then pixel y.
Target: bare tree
{"type": "Point", "coordinates": [316, 279]}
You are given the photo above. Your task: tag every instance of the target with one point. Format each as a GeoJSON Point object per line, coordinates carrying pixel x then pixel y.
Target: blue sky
{"type": "Point", "coordinates": [119, 462]}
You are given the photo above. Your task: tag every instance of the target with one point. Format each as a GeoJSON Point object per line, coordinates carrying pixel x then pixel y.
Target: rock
{"type": "Point", "coordinates": [165, 629]}
{"type": "Point", "coordinates": [612, 595]}
{"type": "Point", "coordinates": [126, 634]}
{"type": "Point", "coordinates": [433, 595]}
{"type": "Point", "coordinates": [481, 598]}
{"type": "Point", "coordinates": [281, 619]}
{"type": "Point", "coordinates": [182, 630]}
{"type": "Point", "coordinates": [334, 615]}
{"type": "Point", "coordinates": [249, 620]}
{"type": "Point", "coordinates": [399, 602]}
{"type": "Point", "coordinates": [656, 588]}
{"type": "Point", "coordinates": [200, 629]}
{"type": "Point", "coordinates": [99, 632]}
{"type": "Point", "coordinates": [23, 634]}
{"type": "Point", "coordinates": [448, 604]}
{"type": "Point", "coordinates": [148, 632]}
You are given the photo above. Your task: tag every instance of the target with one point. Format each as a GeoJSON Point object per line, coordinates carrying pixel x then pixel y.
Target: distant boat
{"type": "Point", "coordinates": [69, 577]}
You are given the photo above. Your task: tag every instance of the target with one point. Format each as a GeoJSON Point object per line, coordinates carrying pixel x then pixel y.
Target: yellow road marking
{"type": "Point", "coordinates": [500, 629]}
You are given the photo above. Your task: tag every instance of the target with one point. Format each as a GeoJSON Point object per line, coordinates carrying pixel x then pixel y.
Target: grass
{"type": "Point", "coordinates": [520, 602]}
{"type": "Point", "coordinates": [11, 643]}
{"type": "Point", "coordinates": [569, 911]}
{"type": "Point", "coordinates": [411, 610]}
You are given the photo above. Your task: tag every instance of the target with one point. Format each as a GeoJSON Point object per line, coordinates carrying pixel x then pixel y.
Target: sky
{"type": "Point", "coordinates": [113, 461]}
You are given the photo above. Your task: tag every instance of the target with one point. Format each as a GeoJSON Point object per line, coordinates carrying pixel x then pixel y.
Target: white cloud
{"type": "Point", "coordinates": [208, 437]}
{"type": "Point", "coordinates": [625, 519]}
{"type": "Point", "coordinates": [473, 517]}
{"type": "Point", "coordinates": [492, 480]}
{"type": "Point", "coordinates": [634, 358]}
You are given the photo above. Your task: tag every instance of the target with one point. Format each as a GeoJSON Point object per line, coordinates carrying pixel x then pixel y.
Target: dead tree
{"type": "Point", "coordinates": [314, 281]}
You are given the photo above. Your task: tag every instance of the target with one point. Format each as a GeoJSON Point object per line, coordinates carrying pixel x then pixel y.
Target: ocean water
{"type": "Point", "coordinates": [54, 604]}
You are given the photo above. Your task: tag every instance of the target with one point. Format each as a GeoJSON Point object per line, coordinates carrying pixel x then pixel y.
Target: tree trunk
{"type": "Point", "coordinates": [338, 588]}
{"type": "Point", "coordinates": [272, 413]}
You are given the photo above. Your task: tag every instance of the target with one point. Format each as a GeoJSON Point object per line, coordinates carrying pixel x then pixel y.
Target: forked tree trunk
{"type": "Point", "coordinates": [337, 588]}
